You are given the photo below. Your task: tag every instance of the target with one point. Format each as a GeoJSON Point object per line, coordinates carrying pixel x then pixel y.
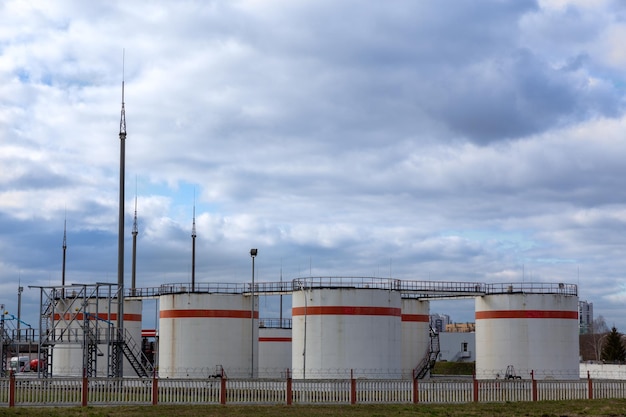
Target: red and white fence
{"type": "Point", "coordinates": [106, 391]}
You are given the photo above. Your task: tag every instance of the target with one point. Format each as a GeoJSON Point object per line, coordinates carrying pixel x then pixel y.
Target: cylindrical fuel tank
{"type": "Point", "coordinates": [415, 335]}
{"type": "Point", "coordinates": [527, 328]}
{"type": "Point", "coordinates": [342, 331]}
{"type": "Point", "coordinates": [274, 351]}
{"type": "Point", "coordinates": [201, 334]}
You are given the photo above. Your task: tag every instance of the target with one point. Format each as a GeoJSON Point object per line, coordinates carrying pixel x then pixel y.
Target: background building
{"type": "Point", "coordinates": [585, 317]}
{"type": "Point", "coordinates": [439, 322]}
{"type": "Point", "coordinates": [457, 347]}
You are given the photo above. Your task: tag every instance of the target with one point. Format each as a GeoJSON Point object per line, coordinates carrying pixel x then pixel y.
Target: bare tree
{"type": "Point", "coordinates": [599, 325]}
{"type": "Point", "coordinates": [599, 331]}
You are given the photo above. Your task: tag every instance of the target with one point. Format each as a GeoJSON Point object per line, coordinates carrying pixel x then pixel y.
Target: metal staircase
{"type": "Point", "coordinates": [127, 347]}
{"type": "Point", "coordinates": [90, 347]}
{"type": "Point", "coordinates": [69, 316]}
{"type": "Point", "coordinates": [45, 344]}
{"type": "Point", "coordinates": [429, 360]}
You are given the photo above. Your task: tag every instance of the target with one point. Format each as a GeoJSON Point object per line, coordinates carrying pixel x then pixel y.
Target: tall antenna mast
{"type": "Point", "coordinates": [135, 233]}
{"type": "Point", "coordinates": [193, 245]}
{"type": "Point", "coordinates": [119, 362]}
{"type": "Point", "coordinates": [64, 250]}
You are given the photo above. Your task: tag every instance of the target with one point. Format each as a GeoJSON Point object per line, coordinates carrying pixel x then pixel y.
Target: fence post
{"type": "Point", "coordinates": [534, 385]}
{"type": "Point", "coordinates": [352, 388]}
{"type": "Point", "coordinates": [416, 392]}
{"type": "Point", "coordinates": [590, 385]}
{"type": "Point", "coordinates": [223, 390]}
{"type": "Point", "coordinates": [289, 388]}
{"type": "Point", "coordinates": [85, 388]}
{"type": "Point", "coordinates": [475, 382]}
{"type": "Point", "coordinates": [11, 388]}
{"type": "Point", "coordinates": [155, 388]}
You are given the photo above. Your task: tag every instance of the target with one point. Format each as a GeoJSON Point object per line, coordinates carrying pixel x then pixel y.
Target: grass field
{"type": "Point", "coordinates": [454, 368]}
{"type": "Point", "coordinates": [579, 408]}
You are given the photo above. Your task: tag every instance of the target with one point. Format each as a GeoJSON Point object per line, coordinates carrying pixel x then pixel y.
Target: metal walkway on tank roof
{"type": "Point", "coordinates": [408, 288]}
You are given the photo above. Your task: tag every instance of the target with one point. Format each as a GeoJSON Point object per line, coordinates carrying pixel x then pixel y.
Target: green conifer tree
{"type": "Point", "coordinates": [613, 349]}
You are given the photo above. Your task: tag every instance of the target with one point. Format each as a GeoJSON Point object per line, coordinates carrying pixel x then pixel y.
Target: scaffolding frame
{"type": "Point", "coordinates": [70, 317]}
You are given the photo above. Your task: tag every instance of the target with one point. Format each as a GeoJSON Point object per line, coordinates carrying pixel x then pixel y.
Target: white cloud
{"type": "Point", "coordinates": [423, 140]}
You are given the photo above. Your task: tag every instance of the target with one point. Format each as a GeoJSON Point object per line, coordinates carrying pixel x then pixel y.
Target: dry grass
{"type": "Point", "coordinates": [578, 408]}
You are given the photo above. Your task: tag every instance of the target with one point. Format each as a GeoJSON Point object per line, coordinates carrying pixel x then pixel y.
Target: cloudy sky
{"type": "Point", "coordinates": [430, 140]}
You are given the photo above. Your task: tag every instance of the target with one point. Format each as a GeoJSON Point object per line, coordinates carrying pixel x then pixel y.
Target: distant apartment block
{"type": "Point", "coordinates": [585, 317]}
{"type": "Point", "coordinates": [439, 322]}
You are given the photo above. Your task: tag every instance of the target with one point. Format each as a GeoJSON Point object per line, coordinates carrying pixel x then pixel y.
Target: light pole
{"type": "Point", "coordinates": [20, 289]}
{"type": "Point", "coordinates": [253, 253]}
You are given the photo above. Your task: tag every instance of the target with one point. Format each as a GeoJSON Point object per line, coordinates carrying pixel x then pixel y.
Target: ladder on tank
{"type": "Point", "coordinates": [429, 360]}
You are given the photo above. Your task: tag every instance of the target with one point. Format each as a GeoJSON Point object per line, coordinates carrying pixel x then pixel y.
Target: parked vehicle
{"type": "Point", "coordinates": [19, 364]}
{"type": "Point", "coordinates": [37, 365]}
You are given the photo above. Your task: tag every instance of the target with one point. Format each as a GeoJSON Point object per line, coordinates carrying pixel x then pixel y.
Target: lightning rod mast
{"type": "Point", "coordinates": [120, 241]}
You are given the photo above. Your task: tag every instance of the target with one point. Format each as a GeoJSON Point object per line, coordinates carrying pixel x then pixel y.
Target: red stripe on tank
{"type": "Point", "coordinates": [198, 314]}
{"type": "Point", "coordinates": [421, 318]}
{"type": "Point", "coordinates": [526, 314]}
{"type": "Point", "coordinates": [274, 339]}
{"type": "Point", "coordinates": [346, 311]}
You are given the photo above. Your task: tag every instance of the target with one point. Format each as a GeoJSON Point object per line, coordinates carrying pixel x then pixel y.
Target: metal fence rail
{"type": "Point", "coordinates": [563, 390]}
{"type": "Point", "coordinates": [58, 391]}
{"type": "Point", "coordinates": [321, 391]}
{"type": "Point", "coordinates": [379, 391]}
{"type": "Point", "coordinates": [102, 391]}
{"type": "Point", "coordinates": [189, 391]}
{"type": "Point", "coordinates": [505, 391]}
{"type": "Point", "coordinates": [445, 391]}
{"type": "Point", "coordinates": [608, 388]}
{"type": "Point", "coordinates": [256, 391]}
{"type": "Point", "coordinates": [72, 391]}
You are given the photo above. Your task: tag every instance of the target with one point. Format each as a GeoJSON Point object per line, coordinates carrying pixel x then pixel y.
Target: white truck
{"type": "Point", "coordinates": [19, 364]}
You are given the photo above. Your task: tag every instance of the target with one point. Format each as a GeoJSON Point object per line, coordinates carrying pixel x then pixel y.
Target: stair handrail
{"type": "Point", "coordinates": [135, 356]}
{"type": "Point", "coordinates": [430, 358]}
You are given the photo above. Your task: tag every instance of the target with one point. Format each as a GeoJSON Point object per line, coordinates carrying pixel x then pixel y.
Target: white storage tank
{"type": "Point", "coordinates": [415, 334]}
{"type": "Point", "coordinates": [68, 323]}
{"type": "Point", "coordinates": [202, 333]}
{"type": "Point", "coordinates": [527, 327]}
{"type": "Point", "coordinates": [339, 330]}
{"type": "Point", "coordinates": [274, 351]}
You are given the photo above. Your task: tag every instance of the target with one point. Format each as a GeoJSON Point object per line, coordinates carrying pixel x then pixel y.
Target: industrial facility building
{"type": "Point", "coordinates": [340, 327]}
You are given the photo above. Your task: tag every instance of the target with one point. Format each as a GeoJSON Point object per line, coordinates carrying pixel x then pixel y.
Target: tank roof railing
{"type": "Point", "coordinates": [346, 282]}
{"type": "Point", "coordinates": [273, 323]}
{"type": "Point", "coordinates": [408, 288]}
{"type": "Point", "coordinates": [205, 287]}
{"type": "Point", "coordinates": [283, 287]}
{"type": "Point", "coordinates": [532, 288]}
{"type": "Point", "coordinates": [441, 289]}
